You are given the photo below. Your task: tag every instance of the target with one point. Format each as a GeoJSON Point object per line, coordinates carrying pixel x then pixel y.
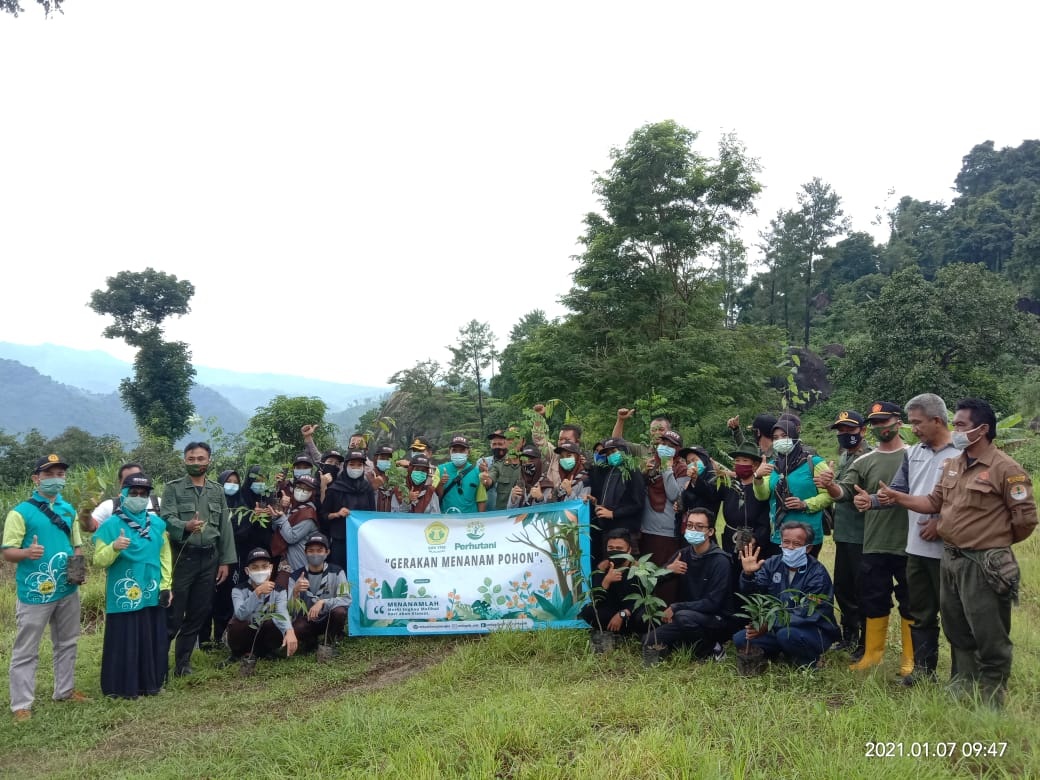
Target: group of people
{"type": "Point", "coordinates": [259, 559]}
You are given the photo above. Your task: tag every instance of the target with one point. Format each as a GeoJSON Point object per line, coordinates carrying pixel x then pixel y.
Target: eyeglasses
{"type": "Point", "coordinates": [698, 527]}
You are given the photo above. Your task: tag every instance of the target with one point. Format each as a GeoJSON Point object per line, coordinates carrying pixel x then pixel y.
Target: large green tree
{"type": "Point", "coordinates": [14, 7]}
{"type": "Point", "coordinates": [471, 354]}
{"type": "Point", "coordinates": [274, 435]}
{"type": "Point", "coordinates": [158, 395]}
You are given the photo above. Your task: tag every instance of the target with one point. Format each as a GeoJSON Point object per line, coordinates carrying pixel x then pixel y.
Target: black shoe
{"type": "Point", "coordinates": [183, 670]}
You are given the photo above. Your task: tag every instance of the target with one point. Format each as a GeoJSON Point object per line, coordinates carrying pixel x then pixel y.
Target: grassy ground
{"type": "Point", "coordinates": [521, 705]}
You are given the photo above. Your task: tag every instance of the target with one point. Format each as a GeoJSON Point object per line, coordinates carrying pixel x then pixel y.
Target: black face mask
{"type": "Point", "coordinates": [329, 468]}
{"type": "Point", "coordinates": [849, 441]}
{"type": "Point", "coordinates": [530, 468]}
{"type": "Point", "coordinates": [499, 452]}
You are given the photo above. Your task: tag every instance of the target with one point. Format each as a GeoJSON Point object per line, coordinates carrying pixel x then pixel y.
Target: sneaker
{"type": "Point", "coordinates": [20, 716]}
{"type": "Point", "coordinates": [77, 697]}
{"type": "Point", "coordinates": [718, 653]}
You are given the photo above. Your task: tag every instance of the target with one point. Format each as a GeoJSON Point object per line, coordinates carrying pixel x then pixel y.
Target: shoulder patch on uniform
{"type": "Point", "coordinates": [1019, 492]}
{"type": "Point", "coordinates": [1016, 478]}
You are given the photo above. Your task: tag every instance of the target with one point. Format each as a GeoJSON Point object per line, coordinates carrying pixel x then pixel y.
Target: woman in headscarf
{"type": "Point", "coordinates": [787, 481]}
{"type": "Point", "coordinates": [529, 488]}
{"type": "Point", "coordinates": [350, 491]}
{"type": "Point", "coordinates": [133, 546]}
{"type": "Point", "coordinates": [291, 529]}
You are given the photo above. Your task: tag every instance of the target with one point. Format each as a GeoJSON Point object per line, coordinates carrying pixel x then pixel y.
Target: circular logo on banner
{"type": "Point", "coordinates": [436, 533]}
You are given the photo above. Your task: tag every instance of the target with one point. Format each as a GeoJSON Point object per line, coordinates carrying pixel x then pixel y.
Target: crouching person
{"type": "Point", "coordinates": [261, 623]}
{"type": "Point", "coordinates": [702, 618]}
{"type": "Point", "coordinates": [802, 583]}
{"type": "Point", "coordinates": [610, 608]}
{"type": "Point", "coordinates": [323, 589]}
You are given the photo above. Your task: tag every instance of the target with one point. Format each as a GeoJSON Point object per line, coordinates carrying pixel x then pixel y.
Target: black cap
{"type": "Point", "coordinates": [137, 480]}
{"type": "Point", "coordinates": [48, 461]}
{"type": "Point", "coordinates": [499, 434]}
{"type": "Point", "coordinates": [258, 554]}
{"type": "Point", "coordinates": [317, 539]}
{"type": "Point", "coordinates": [356, 455]}
{"type": "Point", "coordinates": [884, 409]}
{"type": "Point", "coordinates": [307, 480]}
{"type": "Point", "coordinates": [459, 441]}
{"type": "Point", "coordinates": [616, 444]}
{"type": "Point", "coordinates": [764, 424]}
{"type": "Point", "coordinates": [671, 437]}
{"type": "Point", "coordinates": [569, 446]}
{"type": "Point", "coordinates": [384, 451]}
{"type": "Point", "coordinates": [530, 451]}
{"type": "Point", "coordinates": [303, 457]}
{"type": "Point", "coordinates": [419, 460]}
{"type": "Point", "coordinates": [333, 454]}
{"type": "Point", "coordinates": [847, 417]}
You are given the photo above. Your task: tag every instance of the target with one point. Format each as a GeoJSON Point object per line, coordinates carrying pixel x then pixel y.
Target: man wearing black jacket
{"type": "Point", "coordinates": [611, 609]}
{"type": "Point", "coordinates": [619, 493]}
{"type": "Point", "coordinates": [703, 615]}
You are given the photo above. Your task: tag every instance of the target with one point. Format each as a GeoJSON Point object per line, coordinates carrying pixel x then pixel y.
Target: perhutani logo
{"type": "Point", "coordinates": [436, 533]}
{"type": "Point", "coordinates": [475, 530]}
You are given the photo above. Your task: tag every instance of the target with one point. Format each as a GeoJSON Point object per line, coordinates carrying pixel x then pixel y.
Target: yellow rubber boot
{"type": "Point", "coordinates": [876, 634]}
{"type": "Point", "coordinates": [906, 661]}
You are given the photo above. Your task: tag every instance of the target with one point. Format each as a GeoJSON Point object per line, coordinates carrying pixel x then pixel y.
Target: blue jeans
{"type": "Point", "coordinates": [803, 645]}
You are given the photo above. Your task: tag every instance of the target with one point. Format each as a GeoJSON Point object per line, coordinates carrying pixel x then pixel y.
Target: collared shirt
{"type": "Point", "coordinates": [986, 504]}
{"type": "Point", "coordinates": [181, 501]}
{"type": "Point", "coordinates": [922, 467]}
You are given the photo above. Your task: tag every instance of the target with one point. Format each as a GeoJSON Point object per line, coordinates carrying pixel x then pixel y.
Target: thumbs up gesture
{"type": "Point", "coordinates": [122, 542]}
{"type": "Point", "coordinates": [825, 477]}
{"type": "Point", "coordinates": [886, 495]}
{"type": "Point", "coordinates": [862, 499]}
{"type": "Point", "coordinates": [35, 550]}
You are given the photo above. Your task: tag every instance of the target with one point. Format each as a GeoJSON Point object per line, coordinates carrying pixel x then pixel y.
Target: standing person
{"type": "Point", "coordinates": [532, 487]}
{"type": "Point", "coordinates": [921, 470]}
{"type": "Point", "coordinates": [882, 571]}
{"type": "Point", "coordinates": [574, 479]}
{"type": "Point", "coordinates": [569, 432]}
{"type": "Point", "coordinates": [384, 460]}
{"type": "Point", "coordinates": [702, 488]}
{"type": "Point", "coordinates": [214, 626]}
{"type": "Point", "coordinates": [460, 488]}
{"type": "Point", "coordinates": [665, 478]}
{"type": "Point", "coordinates": [133, 546]}
{"type": "Point", "coordinates": [503, 471]}
{"type": "Point", "coordinates": [985, 504]}
{"type": "Point", "coordinates": [421, 497]}
{"type": "Point", "coordinates": [104, 510]}
{"type": "Point", "coordinates": [40, 535]}
{"type": "Point", "coordinates": [349, 492]}
{"type": "Point", "coordinates": [793, 495]}
{"type": "Point", "coordinates": [203, 544]}
{"type": "Point", "coordinates": [659, 425]}
{"type": "Point", "coordinates": [848, 535]}
{"type": "Point", "coordinates": [619, 494]}
{"type": "Point", "coordinates": [761, 430]}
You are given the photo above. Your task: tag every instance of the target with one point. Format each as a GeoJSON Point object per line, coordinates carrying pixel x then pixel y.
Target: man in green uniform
{"type": "Point", "coordinates": [985, 504]}
{"type": "Point", "coordinates": [203, 543]}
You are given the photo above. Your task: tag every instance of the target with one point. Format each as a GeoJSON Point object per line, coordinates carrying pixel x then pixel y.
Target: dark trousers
{"type": "Point", "coordinates": [309, 632]}
{"type": "Point", "coordinates": [214, 626]}
{"type": "Point", "coordinates": [194, 582]}
{"type": "Point", "coordinates": [804, 646]}
{"type": "Point", "coordinates": [662, 548]}
{"type": "Point", "coordinates": [243, 638]}
{"type": "Point", "coordinates": [847, 557]}
{"type": "Point", "coordinates": [977, 624]}
{"type": "Point", "coordinates": [923, 583]}
{"type": "Point", "coordinates": [881, 575]}
{"type": "Point", "coordinates": [338, 553]}
{"type": "Point", "coordinates": [605, 613]}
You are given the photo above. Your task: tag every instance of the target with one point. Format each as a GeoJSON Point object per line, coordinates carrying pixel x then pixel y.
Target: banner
{"type": "Point", "coordinates": [517, 569]}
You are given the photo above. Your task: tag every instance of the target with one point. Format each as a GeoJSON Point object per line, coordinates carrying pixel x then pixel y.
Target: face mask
{"type": "Point", "coordinates": [302, 496]}
{"type": "Point", "coordinates": [258, 487]}
{"type": "Point", "coordinates": [664, 451]}
{"type": "Point", "coordinates": [695, 538]}
{"type": "Point", "coordinates": [796, 558]}
{"type": "Point", "coordinates": [783, 446]}
{"type": "Point", "coordinates": [743, 470]}
{"type": "Point", "coordinates": [459, 459]}
{"type": "Point", "coordinates": [962, 440]}
{"type": "Point", "coordinates": [51, 486]}
{"type": "Point", "coordinates": [196, 469]}
{"type": "Point", "coordinates": [383, 465]}
{"type": "Point", "coordinates": [699, 465]}
{"type": "Point", "coordinates": [567, 463]}
{"type": "Point", "coordinates": [886, 432]}
{"type": "Point", "coordinates": [418, 477]}
{"type": "Point", "coordinates": [849, 441]}
{"type": "Point", "coordinates": [499, 452]}
{"type": "Point", "coordinates": [135, 504]}
{"type": "Point", "coordinates": [599, 457]}
{"type": "Point", "coordinates": [316, 559]}
{"type": "Point", "coordinates": [301, 473]}
{"type": "Point", "coordinates": [355, 472]}
{"type": "Point", "coordinates": [259, 577]}
{"type": "Point", "coordinates": [230, 488]}
{"type": "Point", "coordinates": [413, 453]}
{"type": "Point", "coordinates": [329, 468]}
{"type": "Point", "coordinates": [615, 458]}
{"type": "Point", "coordinates": [615, 556]}
{"type": "Point", "coordinates": [529, 468]}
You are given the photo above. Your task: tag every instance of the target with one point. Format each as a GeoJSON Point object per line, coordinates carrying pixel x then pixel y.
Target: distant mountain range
{"type": "Point", "coordinates": [51, 388]}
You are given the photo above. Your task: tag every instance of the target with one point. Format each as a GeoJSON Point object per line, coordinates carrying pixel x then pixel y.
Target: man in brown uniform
{"type": "Point", "coordinates": [986, 503]}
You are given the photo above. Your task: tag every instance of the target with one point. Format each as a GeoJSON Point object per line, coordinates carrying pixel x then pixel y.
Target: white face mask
{"type": "Point", "coordinates": [354, 473]}
{"type": "Point", "coordinates": [783, 446]}
{"type": "Point", "coordinates": [259, 577]}
{"type": "Point", "coordinates": [302, 496]}
{"type": "Point", "coordinates": [962, 439]}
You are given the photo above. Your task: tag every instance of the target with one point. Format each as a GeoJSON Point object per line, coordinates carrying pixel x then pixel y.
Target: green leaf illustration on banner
{"type": "Point", "coordinates": [398, 591]}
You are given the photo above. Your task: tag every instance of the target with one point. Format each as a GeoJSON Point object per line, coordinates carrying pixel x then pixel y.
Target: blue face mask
{"type": "Point", "coordinates": [795, 558]}
{"type": "Point", "coordinates": [599, 457]}
{"type": "Point", "coordinates": [699, 464]}
{"type": "Point", "coordinates": [459, 459]}
{"type": "Point", "coordinates": [230, 488]}
{"type": "Point", "coordinates": [258, 487]}
{"type": "Point", "coordinates": [383, 465]}
{"type": "Point", "coordinates": [695, 538]}
{"type": "Point", "coordinates": [418, 477]}
{"type": "Point", "coordinates": [664, 451]}
{"type": "Point", "coordinates": [615, 458]}
{"type": "Point", "coordinates": [301, 472]}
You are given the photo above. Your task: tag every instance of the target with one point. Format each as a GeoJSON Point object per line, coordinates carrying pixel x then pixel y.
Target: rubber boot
{"type": "Point", "coordinates": [876, 634]}
{"type": "Point", "coordinates": [906, 660]}
{"type": "Point", "coordinates": [926, 656]}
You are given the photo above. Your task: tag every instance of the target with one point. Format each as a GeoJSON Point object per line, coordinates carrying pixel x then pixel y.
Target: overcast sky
{"type": "Point", "coordinates": [382, 173]}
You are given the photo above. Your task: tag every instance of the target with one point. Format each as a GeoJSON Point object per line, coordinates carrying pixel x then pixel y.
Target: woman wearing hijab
{"type": "Point", "coordinates": [133, 546]}
{"type": "Point", "coordinates": [787, 481]}
{"type": "Point", "coordinates": [350, 491]}
{"type": "Point", "coordinates": [293, 528]}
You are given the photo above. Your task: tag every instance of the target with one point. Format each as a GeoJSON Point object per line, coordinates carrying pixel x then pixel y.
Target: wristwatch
{"type": "Point", "coordinates": [624, 614]}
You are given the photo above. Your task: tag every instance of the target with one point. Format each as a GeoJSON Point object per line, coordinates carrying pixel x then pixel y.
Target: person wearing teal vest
{"type": "Point", "coordinates": [793, 494]}
{"type": "Point", "coordinates": [460, 488]}
{"type": "Point", "coordinates": [40, 535]}
{"type": "Point", "coordinates": [134, 547]}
